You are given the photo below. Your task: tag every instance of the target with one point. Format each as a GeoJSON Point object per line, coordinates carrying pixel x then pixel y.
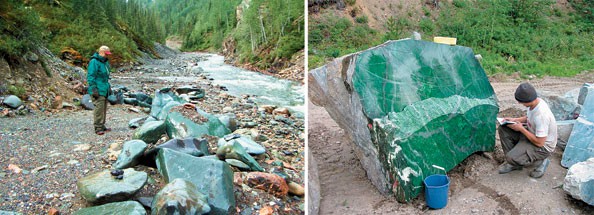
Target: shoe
{"type": "Point", "coordinates": [541, 169]}
{"type": "Point", "coordinates": [100, 132]}
{"type": "Point", "coordinates": [505, 168]}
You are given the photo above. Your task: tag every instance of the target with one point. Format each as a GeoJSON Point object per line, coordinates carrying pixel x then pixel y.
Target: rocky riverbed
{"type": "Point", "coordinates": [44, 154]}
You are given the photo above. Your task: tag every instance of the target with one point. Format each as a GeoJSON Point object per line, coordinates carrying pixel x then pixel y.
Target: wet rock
{"type": "Point", "coordinates": [180, 127]}
{"type": "Point", "coordinates": [136, 122]}
{"type": "Point", "coordinates": [150, 132]}
{"type": "Point", "coordinates": [9, 213]}
{"type": "Point", "coordinates": [161, 102]}
{"type": "Point", "coordinates": [250, 146]}
{"type": "Point", "coordinates": [283, 111]}
{"type": "Point", "coordinates": [413, 117]}
{"type": "Point", "coordinates": [229, 121]}
{"type": "Point", "coordinates": [86, 102]}
{"type": "Point", "coordinates": [180, 197]}
{"type": "Point", "coordinates": [212, 177]}
{"type": "Point", "coordinates": [127, 207]}
{"type": "Point", "coordinates": [270, 183]}
{"type": "Point", "coordinates": [237, 163]}
{"type": "Point", "coordinates": [192, 146]}
{"type": "Point", "coordinates": [131, 152]}
{"type": "Point", "coordinates": [296, 189]}
{"type": "Point", "coordinates": [236, 151]}
{"type": "Point", "coordinates": [579, 181]}
{"type": "Point", "coordinates": [580, 144]}
{"type": "Point", "coordinates": [12, 101]}
{"type": "Point", "coordinates": [101, 187]}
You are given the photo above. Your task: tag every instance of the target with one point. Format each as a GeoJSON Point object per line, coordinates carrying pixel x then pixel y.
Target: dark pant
{"type": "Point", "coordinates": [519, 151]}
{"type": "Point", "coordinates": [99, 113]}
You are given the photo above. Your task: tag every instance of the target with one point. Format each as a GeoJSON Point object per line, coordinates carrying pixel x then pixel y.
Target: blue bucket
{"type": "Point", "coordinates": [436, 191]}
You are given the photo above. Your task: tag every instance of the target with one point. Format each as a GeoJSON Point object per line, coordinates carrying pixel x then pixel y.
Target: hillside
{"type": "Point", "coordinates": [535, 37]}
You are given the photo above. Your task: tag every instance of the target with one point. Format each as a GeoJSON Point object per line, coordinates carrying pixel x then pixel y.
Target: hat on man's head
{"type": "Point", "coordinates": [525, 93]}
{"type": "Point", "coordinates": [105, 49]}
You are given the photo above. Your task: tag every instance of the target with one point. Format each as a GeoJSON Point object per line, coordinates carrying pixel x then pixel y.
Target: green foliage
{"type": "Point", "coordinates": [20, 29]}
{"type": "Point", "coordinates": [361, 19]}
{"type": "Point", "coordinates": [18, 91]}
{"type": "Point", "coordinates": [533, 37]}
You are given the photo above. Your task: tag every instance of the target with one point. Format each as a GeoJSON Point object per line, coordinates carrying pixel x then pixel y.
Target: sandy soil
{"type": "Point", "coordinates": [475, 186]}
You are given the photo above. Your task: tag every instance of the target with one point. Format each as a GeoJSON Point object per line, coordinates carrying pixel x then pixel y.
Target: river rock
{"type": "Point", "coordinates": [580, 144]}
{"type": "Point", "coordinates": [579, 181]}
{"type": "Point", "coordinates": [212, 177]}
{"type": "Point", "coordinates": [296, 189]}
{"type": "Point", "coordinates": [127, 207]}
{"type": "Point", "coordinates": [180, 197]}
{"type": "Point", "coordinates": [12, 101]}
{"type": "Point", "coordinates": [86, 102]}
{"type": "Point", "coordinates": [229, 121]}
{"type": "Point", "coordinates": [101, 187]}
{"type": "Point", "coordinates": [150, 132]}
{"type": "Point", "coordinates": [250, 146]}
{"type": "Point", "coordinates": [271, 183]}
{"type": "Point", "coordinates": [237, 163]}
{"type": "Point", "coordinates": [427, 106]}
{"type": "Point", "coordinates": [193, 146]}
{"type": "Point", "coordinates": [181, 127]}
{"type": "Point", "coordinates": [136, 122]}
{"type": "Point", "coordinates": [131, 152]}
{"type": "Point", "coordinates": [236, 151]}
{"type": "Point", "coordinates": [162, 99]}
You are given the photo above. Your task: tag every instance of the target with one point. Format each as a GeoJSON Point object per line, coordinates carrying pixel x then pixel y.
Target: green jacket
{"type": "Point", "coordinates": [98, 75]}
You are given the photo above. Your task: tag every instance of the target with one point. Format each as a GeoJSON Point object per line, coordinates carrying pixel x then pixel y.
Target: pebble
{"type": "Point", "coordinates": [65, 196]}
{"type": "Point", "coordinates": [73, 162]}
{"type": "Point", "coordinates": [82, 147]}
{"type": "Point", "coordinates": [51, 195]}
{"type": "Point", "coordinates": [39, 168]}
{"type": "Point", "coordinates": [474, 211]}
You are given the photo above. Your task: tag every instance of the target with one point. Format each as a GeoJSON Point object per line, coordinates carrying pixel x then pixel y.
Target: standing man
{"type": "Point", "coordinates": [532, 144]}
{"type": "Point", "coordinates": [99, 88]}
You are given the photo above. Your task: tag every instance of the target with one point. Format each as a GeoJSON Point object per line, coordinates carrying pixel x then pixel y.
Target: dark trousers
{"type": "Point", "coordinates": [519, 151]}
{"type": "Point", "coordinates": [99, 113]}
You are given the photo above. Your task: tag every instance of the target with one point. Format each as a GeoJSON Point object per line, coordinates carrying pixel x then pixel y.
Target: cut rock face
{"type": "Point", "coordinates": [180, 197]}
{"type": "Point", "coordinates": [413, 108]}
{"type": "Point", "coordinates": [579, 181]}
{"type": "Point", "coordinates": [130, 154]}
{"type": "Point", "coordinates": [580, 145]}
{"type": "Point", "coordinates": [214, 178]}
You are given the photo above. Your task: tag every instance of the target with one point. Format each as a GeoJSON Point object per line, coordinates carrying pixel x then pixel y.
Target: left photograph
{"type": "Point", "coordinates": [152, 107]}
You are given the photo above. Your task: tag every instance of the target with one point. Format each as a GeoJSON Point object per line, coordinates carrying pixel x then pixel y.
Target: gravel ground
{"type": "Point", "coordinates": [56, 149]}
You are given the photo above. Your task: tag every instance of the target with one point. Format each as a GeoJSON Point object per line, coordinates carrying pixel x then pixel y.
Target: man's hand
{"type": "Point", "coordinates": [516, 126]}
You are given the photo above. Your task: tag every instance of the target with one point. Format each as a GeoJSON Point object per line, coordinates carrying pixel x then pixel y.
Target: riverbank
{"type": "Point", "coordinates": [54, 150]}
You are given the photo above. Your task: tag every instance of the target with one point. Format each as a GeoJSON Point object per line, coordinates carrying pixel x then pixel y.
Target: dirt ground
{"type": "Point", "coordinates": [475, 187]}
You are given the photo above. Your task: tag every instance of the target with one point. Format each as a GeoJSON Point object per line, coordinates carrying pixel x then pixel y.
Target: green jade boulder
{"type": "Point", "coordinates": [414, 109]}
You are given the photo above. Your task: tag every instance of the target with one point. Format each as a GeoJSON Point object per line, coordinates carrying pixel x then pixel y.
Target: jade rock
{"type": "Point", "coordinates": [413, 108]}
{"type": "Point", "coordinates": [236, 151]}
{"type": "Point", "coordinates": [212, 177]}
{"type": "Point", "coordinates": [579, 181]}
{"type": "Point", "coordinates": [180, 197]}
{"type": "Point", "coordinates": [164, 100]}
{"type": "Point", "coordinates": [181, 127]}
{"type": "Point", "coordinates": [102, 187]}
{"type": "Point", "coordinates": [127, 207]}
{"type": "Point", "coordinates": [150, 132]}
{"type": "Point", "coordinates": [250, 146]}
{"type": "Point", "coordinates": [131, 152]}
{"type": "Point", "coordinates": [580, 145]}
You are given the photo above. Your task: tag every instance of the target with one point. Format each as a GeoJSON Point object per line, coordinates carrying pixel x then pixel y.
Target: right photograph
{"type": "Point", "coordinates": [450, 107]}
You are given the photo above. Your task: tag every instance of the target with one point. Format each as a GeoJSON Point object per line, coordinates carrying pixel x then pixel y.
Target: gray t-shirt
{"type": "Point", "coordinates": [542, 123]}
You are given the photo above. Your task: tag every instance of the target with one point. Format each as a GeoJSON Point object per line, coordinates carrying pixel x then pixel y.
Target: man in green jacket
{"type": "Point", "coordinates": [99, 88]}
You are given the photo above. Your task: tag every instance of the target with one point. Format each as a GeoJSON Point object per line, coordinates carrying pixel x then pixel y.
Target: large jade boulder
{"type": "Point", "coordinates": [580, 145]}
{"type": "Point", "coordinates": [413, 109]}
{"type": "Point", "coordinates": [181, 127]}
